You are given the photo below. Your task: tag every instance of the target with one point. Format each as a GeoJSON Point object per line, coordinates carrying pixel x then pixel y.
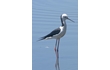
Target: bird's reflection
{"type": "Point", "coordinates": [57, 54]}
{"type": "Point", "coordinates": [57, 63]}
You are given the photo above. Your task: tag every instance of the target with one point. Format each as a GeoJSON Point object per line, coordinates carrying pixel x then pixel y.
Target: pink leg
{"type": "Point", "coordinates": [55, 49]}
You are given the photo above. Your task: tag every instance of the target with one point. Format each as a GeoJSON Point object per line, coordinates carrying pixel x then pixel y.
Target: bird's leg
{"type": "Point", "coordinates": [58, 54]}
{"type": "Point", "coordinates": [55, 46]}
{"type": "Point", "coordinates": [58, 48]}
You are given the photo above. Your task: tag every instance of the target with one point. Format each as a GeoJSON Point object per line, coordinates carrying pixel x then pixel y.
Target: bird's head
{"type": "Point", "coordinates": [65, 16]}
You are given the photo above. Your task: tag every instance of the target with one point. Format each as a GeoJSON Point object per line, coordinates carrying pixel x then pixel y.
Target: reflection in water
{"type": "Point", "coordinates": [57, 54]}
{"type": "Point", "coordinates": [57, 64]}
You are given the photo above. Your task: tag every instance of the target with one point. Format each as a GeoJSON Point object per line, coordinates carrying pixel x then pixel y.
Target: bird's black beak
{"type": "Point", "coordinates": [70, 20]}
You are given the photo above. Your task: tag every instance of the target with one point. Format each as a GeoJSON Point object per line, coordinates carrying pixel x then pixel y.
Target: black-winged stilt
{"type": "Point", "coordinates": [57, 34]}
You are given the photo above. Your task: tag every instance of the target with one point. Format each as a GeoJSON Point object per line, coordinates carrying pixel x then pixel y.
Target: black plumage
{"type": "Point", "coordinates": [54, 32]}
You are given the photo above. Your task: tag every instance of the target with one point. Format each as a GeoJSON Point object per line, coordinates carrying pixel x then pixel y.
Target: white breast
{"type": "Point", "coordinates": [62, 32]}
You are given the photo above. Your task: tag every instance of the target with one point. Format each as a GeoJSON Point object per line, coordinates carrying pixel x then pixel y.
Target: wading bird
{"type": "Point", "coordinates": [57, 34]}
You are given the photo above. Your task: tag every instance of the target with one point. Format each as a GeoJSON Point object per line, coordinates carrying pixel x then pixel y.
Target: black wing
{"type": "Point", "coordinates": [54, 32]}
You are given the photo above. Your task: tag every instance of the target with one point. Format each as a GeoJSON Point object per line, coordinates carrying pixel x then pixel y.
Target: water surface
{"type": "Point", "coordinates": [45, 18]}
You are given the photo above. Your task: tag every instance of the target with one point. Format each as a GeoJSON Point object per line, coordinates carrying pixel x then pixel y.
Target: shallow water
{"type": "Point", "coordinates": [45, 18]}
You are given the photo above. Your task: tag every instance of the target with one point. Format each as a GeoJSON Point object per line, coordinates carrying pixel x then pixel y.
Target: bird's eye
{"type": "Point", "coordinates": [66, 17]}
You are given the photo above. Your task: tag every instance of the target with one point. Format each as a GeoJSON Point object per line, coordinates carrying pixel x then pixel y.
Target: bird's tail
{"type": "Point", "coordinates": [42, 38]}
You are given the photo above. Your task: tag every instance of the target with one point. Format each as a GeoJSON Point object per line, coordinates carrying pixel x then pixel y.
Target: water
{"type": "Point", "coordinates": [45, 18]}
